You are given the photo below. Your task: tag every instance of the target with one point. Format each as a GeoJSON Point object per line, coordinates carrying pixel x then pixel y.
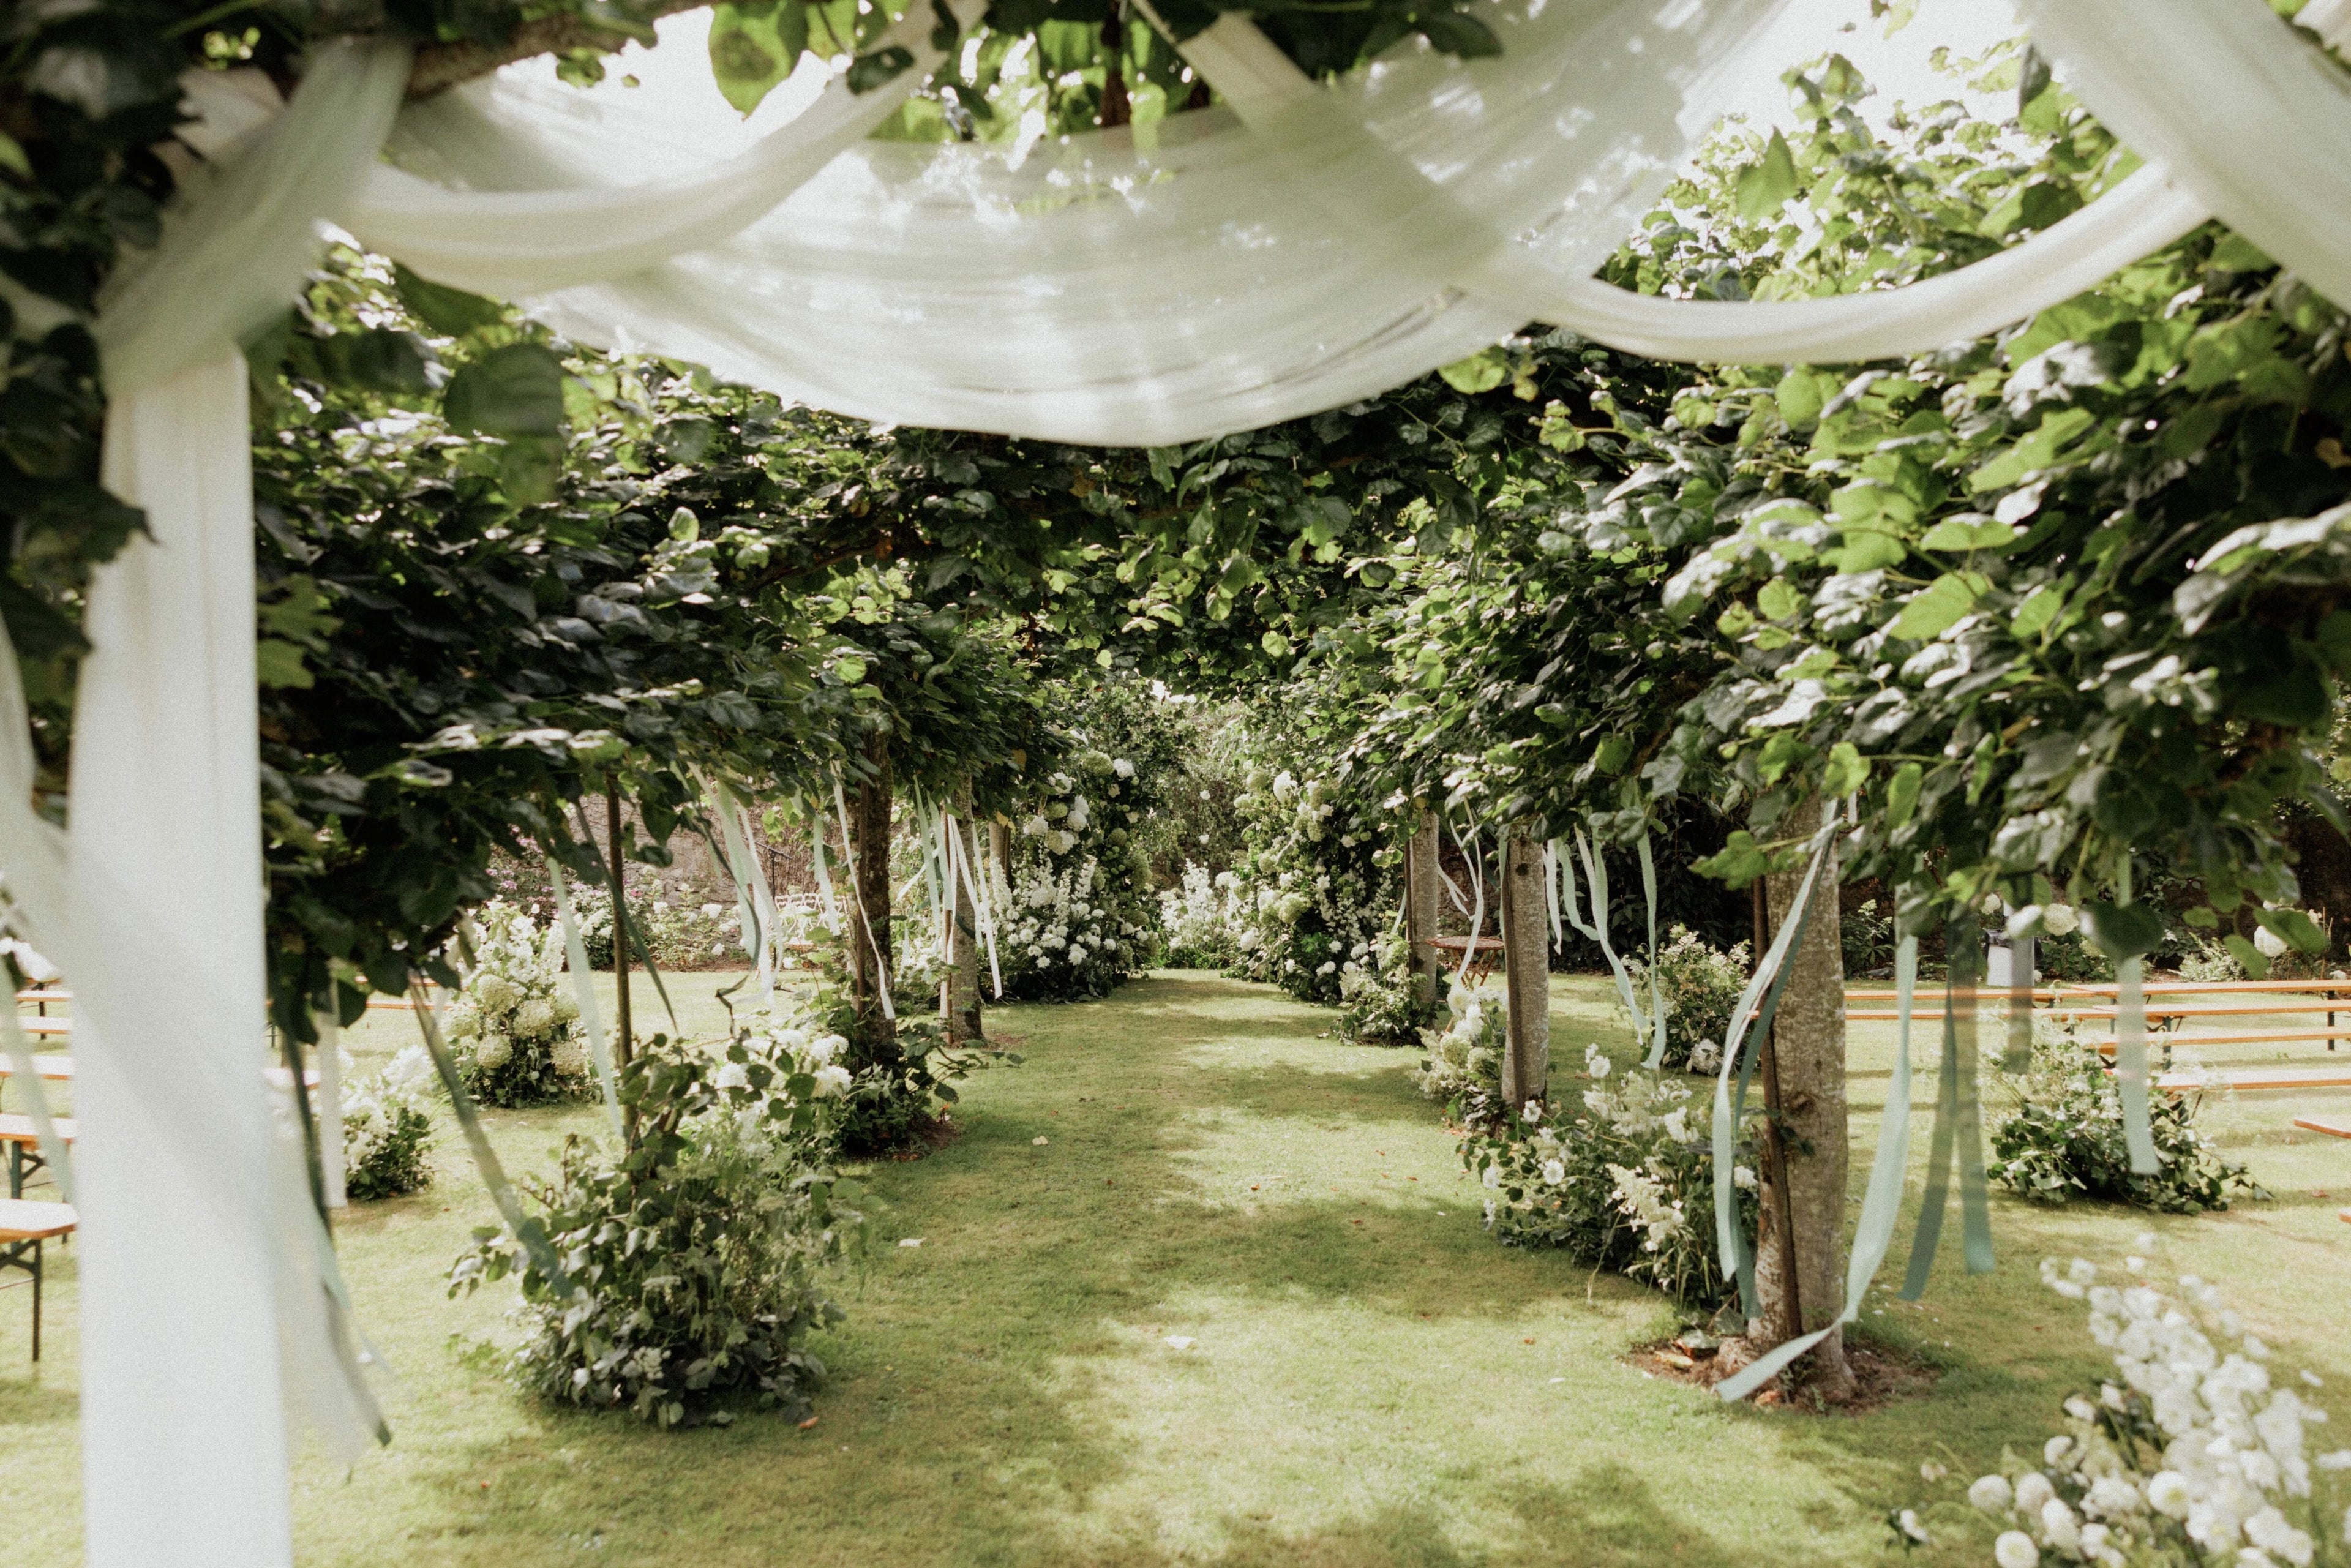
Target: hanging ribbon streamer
{"type": "Point", "coordinates": [583, 988]}
{"type": "Point", "coordinates": [1595, 873]}
{"type": "Point", "coordinates": [980, 886]}
{"type": "Point", "coordinates": [333, 1164]}
{"type": "Point", "coordinates": [1749, 1025]}
{"type": "Point", "coordinates": [1959, 1124]}
{"type": "Point", "coordinates": [857, 891]}
{"type": "Point", "coordinates": [1551, 892]}
{"type": "Point", "coordinates": [1881, 1203]}
{"type": "Point", "coordinates": [755, 902]}
{"type": "Point", "coordinates": [1469, 852]}
{"type": "Point", "coordinates": [2020, 1004]}
{"type": "Point", "coordinates": [531, 1233]}
{"type": "Point", "coordinates": [1656, 994]}
{"type": "Point", "coordinates": [2131, 1047]}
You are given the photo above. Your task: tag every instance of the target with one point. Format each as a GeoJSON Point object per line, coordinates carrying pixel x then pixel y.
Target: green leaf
{"type": "Point", "coordinates": [850, 670]}
{"type": "Point", "coordinates": [1933, 609]}
{"type": "Point", "coordinates": [530, 469]}
{"type": "Point", "coordinates": [2121, 931]}
{"type": "Point", "coordinates": [2040, 607]}
{"type": "Point", "coordinates": [2037, 449]}
{"type": "Point", "coordinates": [1481, 371]}
{"type": "Point", "coordinates": [2293, 928]}
{"type": "Point", "coordinates": [1455, 33]}
{"type": "Point", "coordinates": [1777, 600]}
{"type": "Point", "coordinates": [1275, 644]}
{"type": "Point", "coordinates": [2234, 251]}
{"type": "Point", "coordinates": [278, 665]}
{"type": "Point", "coordinates": [1902, 794]}
{"type": "Point", "coordinates": [1801, 394]}
{"type": "Point", "coordinates": [754, 46]}
{"type": "Point", "coordinates": [13, 158]}
{"type": "Point", "coordinates": [2256, 963]}
{"type": "Point", "coordinates": [1969, 531]}
{"type": "Point", "coordinates": [382, 360]}
{"type": "Point", "coordinates": [1763, 188]}
{"type": "Point", "coordinates": [1615, 753]}
{"type": "Point", "coordinates": [1846, 770]}
{"type": "Point", "coordinates": [870, 71]}
{"type": "Point", "coordinates": [514, 391]}
{"type": "Point", "coordinates": [452, 312]}
{"type": "Point", "coordinates": [1867, 549]}
{"type": "Point", "coordinates": [1742, 860]}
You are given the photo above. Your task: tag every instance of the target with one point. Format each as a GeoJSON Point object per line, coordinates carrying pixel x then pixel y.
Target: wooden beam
{"type": "Point", "coordinates": [1421, 906]}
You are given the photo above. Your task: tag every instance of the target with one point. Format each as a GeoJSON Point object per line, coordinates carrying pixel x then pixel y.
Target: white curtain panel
{"type": "Point", "coordinates": [1298, 249]}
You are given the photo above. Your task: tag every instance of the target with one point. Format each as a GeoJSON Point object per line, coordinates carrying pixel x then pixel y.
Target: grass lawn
{"type": "Point", "coordinates": [1370, 1379]}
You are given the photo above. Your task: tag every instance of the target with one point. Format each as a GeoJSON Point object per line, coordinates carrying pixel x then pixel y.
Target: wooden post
{"type": "Point", "coordinates": [1526, 968]}
{"type": "Point", "coordinates": [1800, 1258]}
{"type": "Point", "coordinates": [959, 996]}
{"type": "Point", "coordinates": [1421, 907]}
{"type": "Point", "coordinates": [869, 958]}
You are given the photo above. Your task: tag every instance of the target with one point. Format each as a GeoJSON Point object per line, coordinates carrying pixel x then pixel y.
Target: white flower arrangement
{"type": "Point", "coordinates": [514, 1025]}
{"type": "Point", "coordinates": [387, 1127]}
{"type": "Point", "coordinates": [2193, 1453]}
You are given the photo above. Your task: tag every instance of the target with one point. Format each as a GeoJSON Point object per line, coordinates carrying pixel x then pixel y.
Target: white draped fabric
{"type": "Point", "coordinates": [1294, 249]}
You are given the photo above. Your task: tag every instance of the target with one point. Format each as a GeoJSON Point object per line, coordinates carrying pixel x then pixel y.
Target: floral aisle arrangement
{"type": "Point", "coordinates": [514, 1025]}
{"type": "Point", "coordinates": [2063, 1137]}
{"type": "Point", "coordinates": [1322, 879]}
{"type": "Point", "coordinates": [692, 1262]}
{"type": "Point", "coordinates": [1201, 919]}
{"type": "Point", "coordinates": [1463, 1069]}
{"type": "Point", "coordinates": [1622, 1178]}
{"type": "Point", "coordinates": [1700, 985]}
{"type": "Point", "coordinates": [2195, 1452]}
{"type": "Point", "coordinates": [1379, 995]}
{"type": "Point", "coordinates": [388, 1128]}
{"type": "Point", "coordinates": [868, 1097]}
{"type": "Point", "coordinates": [1079, 918]}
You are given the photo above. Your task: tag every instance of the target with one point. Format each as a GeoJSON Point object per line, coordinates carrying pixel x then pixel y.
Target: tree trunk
{"type": "Point", "coordinates": [1803, 1179]}
{"type": "Point", "coordinates": [1526, 970]}
{"type": "Point", "coordinates": [1421, 907]}
{"type": "Point", "coordinates": [869, 957]}
{"type": "Point", "coordinates": [960, 995]}
{"type": "Point", "coordinates": [1117, 108]}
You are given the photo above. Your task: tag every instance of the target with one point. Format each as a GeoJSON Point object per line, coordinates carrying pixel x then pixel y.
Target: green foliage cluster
{"type": "Point", "coordinates": [1622, 1178]}
{"type": "Point", "coordinates": [2062, 1140]}
{"type": "Point", "coordinates": [1380, 1001]}
{"type": "Point", "coordinates": [1700, 985]}
{"type": "Point", "coordinates": [692, 1262]}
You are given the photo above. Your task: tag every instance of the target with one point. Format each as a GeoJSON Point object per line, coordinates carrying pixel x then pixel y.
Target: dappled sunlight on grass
{"type": "Point", "coordinates": [1370, 1380]}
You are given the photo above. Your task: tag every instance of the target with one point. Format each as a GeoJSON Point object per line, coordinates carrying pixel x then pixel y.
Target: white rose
{"type": "Point", "coordinates": [2059, 1528]}
{"type": "Point", "coordinates": [493, 1052]}
{"type": "Point", "coordinates": [2271, 945]}
{"type": "Point", "coordinates": [1555, 1171]}
{"type": "Point", "coordinates": [732, 1076]}
{"type": "Point", "coordinates": [2014, 1548]}
{"type": "Point", "coordinates": [535, 1018]}
{"type": "Point", "coordinates": [1992, 1494]}
{"type": "Point", "coordinates": [2060, 919]}
{"type": "Point", "coordinates": [831, 1082]}
{"type": "Point", "coordinates": [1126, 770]}
{"type": "Point", "coordinates": [827, 1050]}
{"type": "Point", "coordinates": [2032, 1491]}
{"type": "Point", "coordinates": [713, 911]}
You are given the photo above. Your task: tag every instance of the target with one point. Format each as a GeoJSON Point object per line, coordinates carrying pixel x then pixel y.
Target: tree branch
{"type": "Point", "coordinates": [443, 66]}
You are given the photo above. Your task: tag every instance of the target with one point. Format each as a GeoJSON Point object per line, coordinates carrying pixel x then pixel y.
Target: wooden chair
{"type": "Point", "coordinates": [23, 1228]}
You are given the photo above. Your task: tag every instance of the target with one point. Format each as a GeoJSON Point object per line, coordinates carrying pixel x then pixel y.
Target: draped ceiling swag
{"type": "Point", "coordinates": [1297, 247]}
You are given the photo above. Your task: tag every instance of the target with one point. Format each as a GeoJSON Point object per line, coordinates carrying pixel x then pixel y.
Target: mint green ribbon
{"type": "Point", "coordinates": [1881, 1205]}
{"type": "Point", "coordinates": [1958, 1125]}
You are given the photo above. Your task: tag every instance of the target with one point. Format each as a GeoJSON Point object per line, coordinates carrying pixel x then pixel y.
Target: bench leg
{"type": "Point", "coordinates": [15, 1170]}
{"type": "Point", "coordinates": [37, 1300]}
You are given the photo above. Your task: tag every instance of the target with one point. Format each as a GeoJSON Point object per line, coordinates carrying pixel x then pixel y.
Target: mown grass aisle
{"type": "Point", "coordinates": [1368, 1378]}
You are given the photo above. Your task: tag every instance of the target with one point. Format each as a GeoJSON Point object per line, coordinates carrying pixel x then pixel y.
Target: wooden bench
{"type": "Point", "coordinates": [23, 1141]}
{"type": "Point", "coordinates": [23, 1228]}
{"type": "Point", "coordinates": [2257, 1078]}
{"type": "Point", "coordinates": [2332, 1129]}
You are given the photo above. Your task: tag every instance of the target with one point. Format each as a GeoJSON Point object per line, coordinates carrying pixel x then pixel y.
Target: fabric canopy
{"type": "Point", "coordinates": [1293, 249]}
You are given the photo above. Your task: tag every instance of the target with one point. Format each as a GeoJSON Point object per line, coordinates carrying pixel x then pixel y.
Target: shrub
{"type": "Point", "coordinates": [1868, 938]}
{"type": "Point", "coordinates": [2192, 1454]}
{"type": "Point", "coordinates": [1062, 939]}
{"type": "Point", "coordinates": [2064, 1138]}
{"type": "Point", "coordinates": [1379, 995]}
{"type": "Point", "coordinates": [1700, 987]}
{"type": "Point", "coordinates": [514, 1025]}
{"type": "Point", "coordinates": [387, 1131]}
{"type": "Point", "coordinates": [693, 1262]}
{"type": "Point", "coordinates": [1203, 921]}
{"type": "Point", "coordinates": [1623, 1182]}
{"type": "Point", "coordinates": [1463, 1068]}
{"type": "Point", "coordinates": [882, 1094]}
{"type": "Point", "coordinates": [679, 935]}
